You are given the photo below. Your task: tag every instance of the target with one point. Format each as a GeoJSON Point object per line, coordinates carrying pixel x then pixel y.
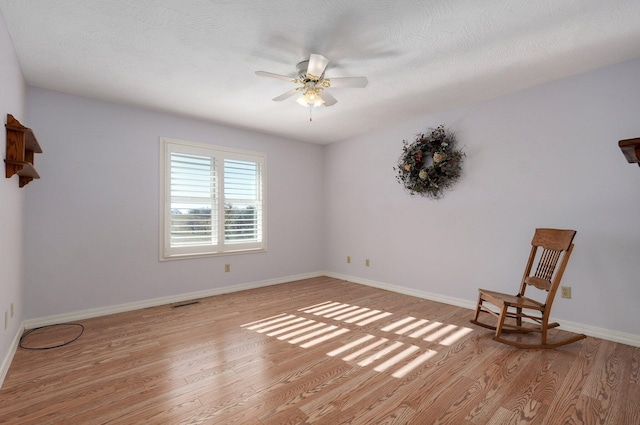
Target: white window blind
{"type": "Point", "coordinates": [242, 198]}
{"type": "Point", "coordinates": [213, 200]}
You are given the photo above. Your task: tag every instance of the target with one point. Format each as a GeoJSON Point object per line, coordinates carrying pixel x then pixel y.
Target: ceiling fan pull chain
{"type": "Point", "coordinates": [310, 109]}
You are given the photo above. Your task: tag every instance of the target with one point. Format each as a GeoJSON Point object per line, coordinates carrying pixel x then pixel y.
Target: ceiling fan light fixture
{"type": "Point", "coordinates": [301, 101]}
{"type": "Point", "coordinates": [311, 97]}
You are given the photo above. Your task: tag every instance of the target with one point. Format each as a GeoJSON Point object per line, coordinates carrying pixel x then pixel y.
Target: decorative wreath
{"type": "Point", "coordinates": [430, 165]}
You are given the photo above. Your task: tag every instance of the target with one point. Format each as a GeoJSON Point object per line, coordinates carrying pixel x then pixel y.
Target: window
{"type": "Point", "coordinates": [212, 200]}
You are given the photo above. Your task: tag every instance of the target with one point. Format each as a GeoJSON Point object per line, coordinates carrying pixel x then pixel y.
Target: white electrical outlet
{"type": "Point", "coordinates": [366, 262]}
{"type": "Point", "coordinates": [348, 259]}
{"type": "Point", "coordinates": [227, 268]}
{"type": "Point", "coordinates": [565, 291]}
{"type": "Point", "coordinates": [12, 310]}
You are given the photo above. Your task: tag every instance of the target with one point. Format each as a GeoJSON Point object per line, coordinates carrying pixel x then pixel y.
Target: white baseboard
{"type": "Point", "coordinates": [103, 311]}
{"type": "Point", "coordinates": [406, 291]}
{"type": "Point", "coordinates": [6, 363]}
{"type": "Point", "coordinates": [615, 336]}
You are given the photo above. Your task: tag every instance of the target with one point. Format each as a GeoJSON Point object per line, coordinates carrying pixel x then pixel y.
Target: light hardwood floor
{"type": "Point", "coordinates": [318, 351]}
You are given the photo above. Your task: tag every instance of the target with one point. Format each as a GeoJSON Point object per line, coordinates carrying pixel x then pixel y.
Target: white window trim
{"type": "Point", "coordinates": [165, 202]}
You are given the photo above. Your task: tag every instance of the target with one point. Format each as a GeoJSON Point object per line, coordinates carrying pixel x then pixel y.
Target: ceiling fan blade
{"type": "Point", "coordinates": [328, 99]}
{"type": "Point", "coordinates": [355, 82]}
{"type": "Point", "coordinates": [286, 95]}
{"type": "Point", "coordinates": [272, 75]}
{"type": "Point", "coordinates": [317, 64]}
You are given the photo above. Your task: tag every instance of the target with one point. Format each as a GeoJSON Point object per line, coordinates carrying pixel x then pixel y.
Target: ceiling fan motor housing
{"type": "Point", "coordinates": [302, 72]}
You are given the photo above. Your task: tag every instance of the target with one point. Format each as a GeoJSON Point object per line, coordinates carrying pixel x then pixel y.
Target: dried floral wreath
{"type": "Point", "coordinates": [430, 165]}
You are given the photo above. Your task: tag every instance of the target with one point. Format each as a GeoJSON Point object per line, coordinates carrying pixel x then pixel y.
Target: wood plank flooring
{"type": "Point", "coordinates": [318, 351]}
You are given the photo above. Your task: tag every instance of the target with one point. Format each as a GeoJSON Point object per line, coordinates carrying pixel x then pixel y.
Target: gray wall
{"type": "Point", "coordinates": [93, 218]}
{"type": "Point", "coordinates": [12, 100]}
{"type": "Point", "coordinates": [543, 157]}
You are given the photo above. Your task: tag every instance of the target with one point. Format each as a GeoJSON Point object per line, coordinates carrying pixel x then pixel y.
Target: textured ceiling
{"type": "Point", "coordinates": [197, 58]}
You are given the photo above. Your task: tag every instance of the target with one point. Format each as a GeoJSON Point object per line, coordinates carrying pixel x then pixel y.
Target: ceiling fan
{"type": "Point", "coordinates": [312, 82]}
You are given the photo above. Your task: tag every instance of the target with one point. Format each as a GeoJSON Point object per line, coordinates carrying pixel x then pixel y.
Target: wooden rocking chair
{"type": "Point", "coordinates": [528, 315]}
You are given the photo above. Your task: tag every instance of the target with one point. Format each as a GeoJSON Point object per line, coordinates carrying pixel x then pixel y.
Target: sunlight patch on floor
{"type": "Point", "coordinates": [263, 320]}
{"type": "Point", "coordinates": [397, 324]}
{"type": "Point", "coordinates": [346, 312]}
{"type": "Point", "coordinates": [312, 334]}
{"type": "Point", "coordinates": [288, 322]}
{"type": "Point", "coordinates": [280, 319]}
{"type": "Point", "coordinates": [290, 328]}
{"type": "Point", "coordinates": [366, 350]}
{"type": "Point", "coordinates": [397, 358]}
{"type": "Point", "coordinates": [342, 311]}
{"type": "Point", "coordinates": [350, 345]}
{"type": "Point", "coordinates": [400, 373]}
{"type": "Point", "coordinates": [301, 331]}
{"type": "Point", "coordinates": [324, 338]}
{"type": "Point", "coordinates": [456, 336]}
{"type": "Point", "coordinates": [380, 354]}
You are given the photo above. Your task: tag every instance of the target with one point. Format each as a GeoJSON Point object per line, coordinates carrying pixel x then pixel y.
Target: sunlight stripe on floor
{"type": "Point", "coordinates": [313, 306]}
{"type": "Point", "coordinates": [301, 331]}
{"type": "Point", "coordinates": [414, 364]}
{"type": "Point", "coordinates": [363, 350]}
{"type": "Point", "coordinates": [270, 322]}
{"type": "Point", "coordinates": [344, 310]}
{"type": "Point", "coordinates": [426, 329]}
{"type": "Point", "coordinates": [324, 338]}
{"type": "Point", "coordinates": [411, 326]}
{"type": "Point", "coordinates": [455, 336]}
{"type": "Point", "coordinates": [290, 328]}
{"type": "Point", "coordinates": [374, 318]}
{"type": "Point", "coordinates": [312, 334]}
{"type": "Point", "coordinates": [350, 345]}
{"type": "Point", "coordinates": [397, 358]}
{"type": "Point", "coordinates": [322, 307]}
{"type": "Point", "coordinates": [369, 349]}
{"type": "Point", "coordinates": [330, 309]}
{"type": "Point", "coordinates": [279, 325]}
{"type": "Point", "coordinates": [262, 320]}
{"type": "Point", "coordinates": [362, 316]}
{"type": "Point", "coordinates": [380, 354]}
{"type": "Point", "coordinates": [440, 333]}
{"type": "Point", "coordinates": [351, 314]}
{"type": "Point", "coordinates": [398, 324]}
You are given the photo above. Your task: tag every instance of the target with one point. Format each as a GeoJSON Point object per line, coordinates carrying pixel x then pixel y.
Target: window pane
{"type": "Point", "coordinates": [243, 204]}
{"type": "Point", "coordinates": [192, 176]}
{"type": "Point", "coordinates": [241, 179]}
{"type": "Point", "coordinates": [191, 225]}
{"type": "Point", "coordinates": [241, 223]}
{"type": "Point", "coordinates": [193, 197]}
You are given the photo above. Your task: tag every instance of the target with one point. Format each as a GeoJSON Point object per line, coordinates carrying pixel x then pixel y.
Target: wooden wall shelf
{"type": "Point", "coordinates": [631, 149]}
{"type": "Point", "coordinates": [21, 147]}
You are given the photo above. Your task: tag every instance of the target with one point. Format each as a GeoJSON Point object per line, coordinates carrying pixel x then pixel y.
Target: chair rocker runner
{"type": "Point", "coordinates": [550, 251]}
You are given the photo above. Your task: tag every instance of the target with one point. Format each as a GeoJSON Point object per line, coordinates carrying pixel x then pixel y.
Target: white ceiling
{"type": "Point", "coordinates": [197, 58]}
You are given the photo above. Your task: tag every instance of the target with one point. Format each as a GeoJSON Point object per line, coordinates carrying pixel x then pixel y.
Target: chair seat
{"type": "Point", "coordinates": [499, 298]}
